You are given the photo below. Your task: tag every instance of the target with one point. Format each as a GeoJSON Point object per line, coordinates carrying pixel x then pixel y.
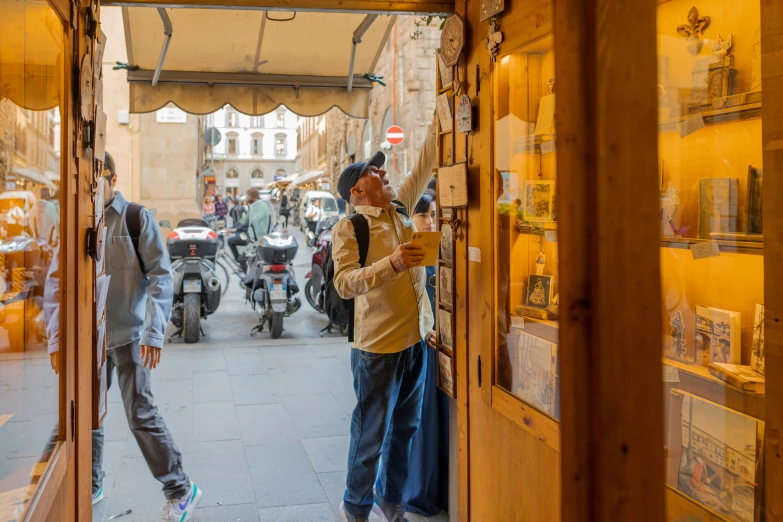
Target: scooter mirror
{"type": "Point", "coordinates": [165, 224]}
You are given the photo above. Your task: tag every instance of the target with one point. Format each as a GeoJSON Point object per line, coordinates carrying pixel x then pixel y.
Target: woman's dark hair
{"type": "Point", "coordinates": [423, 206]}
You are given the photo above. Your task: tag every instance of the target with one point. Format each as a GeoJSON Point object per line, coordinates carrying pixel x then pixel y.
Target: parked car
{"type": "Point", "coordinates": [328, 206]}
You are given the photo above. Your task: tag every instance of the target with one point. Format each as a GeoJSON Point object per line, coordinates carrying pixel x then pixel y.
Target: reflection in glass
{"type": "Point", "coordinates": [30, 47]}
{"type": "Point", "coordinates": [712, 258]}
{"type": "Point", "coordinates": [526, 223]}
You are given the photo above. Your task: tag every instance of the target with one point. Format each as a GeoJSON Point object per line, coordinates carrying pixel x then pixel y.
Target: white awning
{"type": "Point", "coordinates": [34, 175]}
{"type": "Point", "coordinates": [253, 60]}
{"type": "Point", "coordinates": [306, 176]}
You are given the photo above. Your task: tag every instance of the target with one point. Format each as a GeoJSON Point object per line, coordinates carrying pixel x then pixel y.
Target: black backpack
{"type": "Point", "coordinates": [133, 222]}
{"type": "Point", "coordinates": [339, 310]}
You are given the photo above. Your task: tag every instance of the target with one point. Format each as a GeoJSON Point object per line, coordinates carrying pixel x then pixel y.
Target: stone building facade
{"type": "Point", "coordinates": [253, 150]}
{"type": "Point", "coordinates": [408, 100]}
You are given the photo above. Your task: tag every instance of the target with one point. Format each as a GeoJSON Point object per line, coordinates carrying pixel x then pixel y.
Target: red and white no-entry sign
{"type": "Point", "coordinates": [394, 135]}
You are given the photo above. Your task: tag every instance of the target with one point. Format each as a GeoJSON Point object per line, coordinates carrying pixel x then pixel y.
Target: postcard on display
{"type": "Point", "coordinates": [539, 290]}
{"type": "Point", "coordinates": [718, 206]}
{"type": "Point", "coordinates": [446, 373]}
{"type": "Point", "coordinates": [757, 355]}
{"type": "Point", "coordinates": [445, 284]}
{"type": "Point", "coordinates": [447, 243]}
{"type": "Point", "coordinates": [101, 294]}
{"type": "Point", "coordinates": [539, 200]}
{"type": "Point", "coordinates": [445, 331]}
{"type": "Point", "coordinates": [444, 113]}
{"type": "Point", "coordinates": [720, 450]}
{"type": "Point", "coordinates": [717, 336]}
{"type": "Point", "coordinates": [430, 242]}
{"type": "Point", "coordinates": [538, 373]}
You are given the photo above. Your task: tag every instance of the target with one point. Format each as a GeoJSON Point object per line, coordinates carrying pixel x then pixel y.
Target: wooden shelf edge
{"type": "Point", "coordinates": [541, 426]}
{"type": "Point", "coordinates": [733, 247]}
{"type": "Point", "coordinates": [716, 117]}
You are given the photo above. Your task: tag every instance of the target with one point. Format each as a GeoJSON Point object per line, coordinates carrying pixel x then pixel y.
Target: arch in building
{"type": "Point", "coordinates": [232, 174]}
{"type": "Point", "coordinates": [257, 174]}
{"type": "Point", "coordinates": [350, 145]}
{"type": "Point", "coordinates": [387, 122]}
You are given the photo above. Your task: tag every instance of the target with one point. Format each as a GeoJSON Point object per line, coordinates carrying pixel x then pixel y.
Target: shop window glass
{"type": "Point", "coordinates": [526, 223]}
{"type": "Point", "coordinates": [712, 258]}
{"type": "Point", "coordinates": [31, 40]}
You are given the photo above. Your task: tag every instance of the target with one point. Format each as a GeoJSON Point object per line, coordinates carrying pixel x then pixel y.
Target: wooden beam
{"type": "Point", "coordinates": [772, 142]}
{"type": "Point", "coordinates": [611, 395]}
{"type": "Point", "coordinates": [412, 7]}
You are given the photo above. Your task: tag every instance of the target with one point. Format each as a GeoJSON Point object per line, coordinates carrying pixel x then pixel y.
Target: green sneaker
{"type": "Point", "coordinates": [97, 496]}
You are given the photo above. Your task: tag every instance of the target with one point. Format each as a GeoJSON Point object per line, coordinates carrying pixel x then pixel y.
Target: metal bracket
{"type": "Point", "coordinates": [357, 39]}
{"type": "Point", "coordinates": [168, 32]}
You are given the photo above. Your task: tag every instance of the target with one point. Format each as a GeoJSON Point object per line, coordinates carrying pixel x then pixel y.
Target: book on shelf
{"type": "Point", "coordinates": [717, 336]}
{"type": "Point", "coordinates": [741, 376]}
{"type": "Point", "coordinates": [718, 206]}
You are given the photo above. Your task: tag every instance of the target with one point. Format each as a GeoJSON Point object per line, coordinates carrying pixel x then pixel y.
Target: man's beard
{"type": "Point", "coordinates": [390, 191]}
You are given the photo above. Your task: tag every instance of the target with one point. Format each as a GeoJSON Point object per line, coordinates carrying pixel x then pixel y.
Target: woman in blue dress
{"type": "Point", "coordinates": [426, 490]}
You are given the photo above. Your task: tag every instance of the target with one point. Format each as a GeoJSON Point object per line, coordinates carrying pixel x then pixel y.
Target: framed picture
{"type": "Point", "coordinates": [715, 455]}
{"type": "Point", "coordinates": [445, 285]}
{"type": "Point", "coordinates": [446, 373]}
{"type": "Point", "coordinates": [539, 291]}
{"type": "Point", "coordinates": [539, 200]}
{"type": "Point", "coordinates": [445, 330]}
{"type": "Point", "coordinates": [447, 243]}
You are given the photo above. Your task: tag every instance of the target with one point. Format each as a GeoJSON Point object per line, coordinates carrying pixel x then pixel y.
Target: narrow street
{"type": "Point", "coordinates": [262, 424]}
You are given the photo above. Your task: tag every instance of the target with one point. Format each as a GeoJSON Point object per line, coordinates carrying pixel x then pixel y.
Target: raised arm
{"type": "Point", "coordinates": [412, 187]}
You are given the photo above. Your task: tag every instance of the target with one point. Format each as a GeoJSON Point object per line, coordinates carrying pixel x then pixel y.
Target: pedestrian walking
{"type": "Point", "coordinates": [141, 286]}
{"type": "Point", "coordinates": [208, 210]}
{"type": "Point", "coordinates": [221, 208]}
{"type": "Point", "coordinates": [285, 210]}
{"type": "Point", "coordinates": [313, 215]}
{"type": "Point", "coordinates": [426, 491]}
{"type": "Point", "coordinates": [393, 320]}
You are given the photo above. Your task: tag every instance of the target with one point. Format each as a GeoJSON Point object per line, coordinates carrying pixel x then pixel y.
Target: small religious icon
{"type": "Point", "coordinates": [550, 86]}
{"type": "Point", "coordinates": [678, 343]}
{"type": "Point", "coordinates": [539, 291]}
{"type": "Point", "coordinates": [537, 296]}
{"type": "Point", "coordinates": [668, 208]}
{"type": "Point", "coordinates": [540, 262]}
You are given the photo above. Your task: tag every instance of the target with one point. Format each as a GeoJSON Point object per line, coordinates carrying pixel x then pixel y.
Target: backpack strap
{"type": "Point", "coordinates": [133, 222]}
{"type": "Point", "coordinates": [362, 230]}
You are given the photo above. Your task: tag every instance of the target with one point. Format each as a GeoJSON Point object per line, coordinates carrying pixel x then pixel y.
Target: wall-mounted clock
{"type": "Point", "coordinates": [464, 114]}
{"type": "Point", "coordinates": [452, 39]}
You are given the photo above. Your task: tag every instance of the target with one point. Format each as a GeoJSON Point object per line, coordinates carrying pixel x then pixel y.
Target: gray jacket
{"type": "Point", "coordinates": [139, 304]}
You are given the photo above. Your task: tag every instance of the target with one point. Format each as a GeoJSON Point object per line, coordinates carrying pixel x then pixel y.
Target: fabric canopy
{"type": "Point", "coordinates": [34, 175]}
{"type": "Point", "coordinates": [306, 176]}
{"type": "Point", "coordinates": [30, 55]}
{"type": "Point", "coordinates": [252, 60]}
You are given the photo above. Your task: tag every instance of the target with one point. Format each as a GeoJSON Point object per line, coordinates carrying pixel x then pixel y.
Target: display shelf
{"type": "Point", "coordinates": [715, 117]}
{"type": "Point", "coordinates": [725, 245]}
{"type": "Point", "coordinates": [532, 142]}
{"type": "Point", "coordinates": [545, 329]}
{"type": "Point", "coordinates": [698, 380]}
{"type": "Point", "coordinates": [535, 228]}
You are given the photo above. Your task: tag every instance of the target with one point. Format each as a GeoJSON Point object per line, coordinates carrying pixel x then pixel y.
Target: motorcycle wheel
{"type": "Point", "coordinates": [277, 325]}
{"type": "Point", "coordinates": [312, 299]}
{"type": "Point", "coordinates": [191, 317]}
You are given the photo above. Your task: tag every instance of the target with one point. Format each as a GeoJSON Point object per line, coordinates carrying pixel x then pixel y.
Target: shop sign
{"type": "Point", "coordinates": [171, 115]}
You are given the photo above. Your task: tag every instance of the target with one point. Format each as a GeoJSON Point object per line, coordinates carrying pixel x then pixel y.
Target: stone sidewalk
{"type": "Point", "coordinates": [262, 425]}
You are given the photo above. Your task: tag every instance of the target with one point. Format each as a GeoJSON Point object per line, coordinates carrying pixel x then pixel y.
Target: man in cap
{"type": "Point", "coordinates": [393, 320]}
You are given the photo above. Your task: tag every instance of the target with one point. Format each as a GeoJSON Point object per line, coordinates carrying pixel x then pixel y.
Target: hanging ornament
{"type": "Point", "coordinates": [493, 38]}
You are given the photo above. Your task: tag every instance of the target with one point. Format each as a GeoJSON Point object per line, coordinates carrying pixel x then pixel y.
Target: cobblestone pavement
{"type": "Point", "coordinates": [263, 425]}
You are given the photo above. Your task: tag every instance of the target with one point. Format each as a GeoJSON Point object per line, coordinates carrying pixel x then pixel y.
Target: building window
{"type": "Point", "coordinates": [258, 144]}
{"type": "Point", "coordinates": [232, 145]}
{"type": "Point", "coordinates": [257, 174]}
{"type": "Point", "coordinates": [367, 140]}
{"type": "Point", "coordinates": [232, 174]}
{"type": "Point", "coordinates": [280, 174]}
{"type": "Point", "coordinates": [232, 119]}
{"type": "Point", "coordinates": [257, 121]}
{"type": "Point", "coordinates": [280, 145]}
{"type": "Point", "coordinates": [281, 118]}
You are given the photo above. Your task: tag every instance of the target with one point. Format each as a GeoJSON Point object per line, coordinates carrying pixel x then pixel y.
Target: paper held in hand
{"type": "Point", "coordinates": [430, 241]}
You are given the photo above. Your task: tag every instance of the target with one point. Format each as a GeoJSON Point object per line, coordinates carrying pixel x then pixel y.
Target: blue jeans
{"type": "Point", "coordinates": [389, 390]}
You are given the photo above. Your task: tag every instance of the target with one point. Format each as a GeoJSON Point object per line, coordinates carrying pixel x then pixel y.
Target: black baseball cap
{"type": "Point", "coordinates": [353, 172]}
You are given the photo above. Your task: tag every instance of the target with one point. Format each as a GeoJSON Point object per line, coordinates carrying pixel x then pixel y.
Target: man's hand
{"type": "Point", "coordinates": [150, 356]}
{"type": "Point", "coordinates": [407, 256]}
{"type": "Point", "coordinates": [54, 358]}
{"type": "Point", "coordinates": [432, 339]}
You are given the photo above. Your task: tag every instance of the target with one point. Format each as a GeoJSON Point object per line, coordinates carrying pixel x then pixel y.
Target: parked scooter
{"type": "Point", "coordinates": [315, 288]}
{"type": "Point", "coordinates": [270, 284]}
{"type": "Point", "coordinates": [192, 247]}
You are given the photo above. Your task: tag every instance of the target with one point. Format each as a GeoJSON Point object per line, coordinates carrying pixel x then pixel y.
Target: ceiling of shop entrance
{"type": "Point", "coordinates": [254, 59]}
{"type": "Point", "coordinates": [362, 6]}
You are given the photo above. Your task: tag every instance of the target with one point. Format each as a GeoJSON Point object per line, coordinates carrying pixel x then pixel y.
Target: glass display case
{"type": "Point", "coordinates": [712, 257]}
{"type": "Point", "coordinates": [526, 260]}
